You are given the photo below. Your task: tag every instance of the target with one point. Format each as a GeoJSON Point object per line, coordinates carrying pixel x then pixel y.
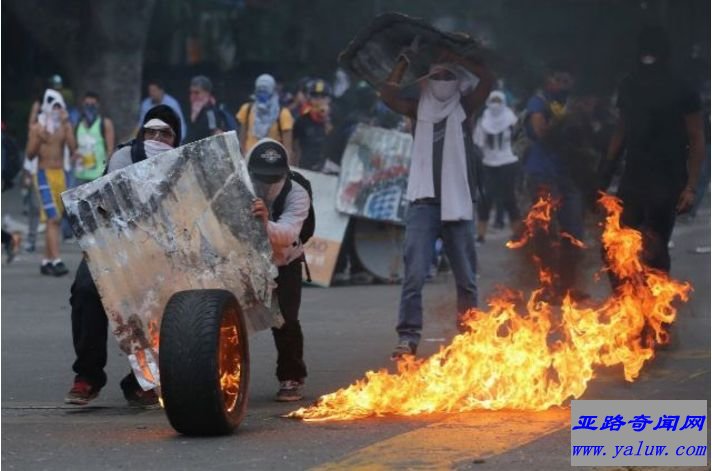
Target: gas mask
{"type": "Point", "coordinates": [443, 90]}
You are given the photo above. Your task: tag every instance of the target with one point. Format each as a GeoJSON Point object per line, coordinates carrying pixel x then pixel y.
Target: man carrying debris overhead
{"type": "Point", "coordinates": [442, 182]}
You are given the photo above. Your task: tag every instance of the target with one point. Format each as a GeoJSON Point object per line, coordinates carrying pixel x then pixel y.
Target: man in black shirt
{"type": "Point", "coordinates": [312, 127]}
{"type": "Point", "coordinates": [203, 113]}
{"type": "Point", "coordinates": [661, 129]}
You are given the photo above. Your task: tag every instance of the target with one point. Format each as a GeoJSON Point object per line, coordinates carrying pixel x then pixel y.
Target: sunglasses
{"type": "Point", "coordinates": [165, 134]}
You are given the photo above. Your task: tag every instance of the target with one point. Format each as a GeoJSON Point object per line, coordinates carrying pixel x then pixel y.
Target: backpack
{"type": "Point", "coordinates": [309, 223]}
{"type": "Point", "coordinates": [228, 121]}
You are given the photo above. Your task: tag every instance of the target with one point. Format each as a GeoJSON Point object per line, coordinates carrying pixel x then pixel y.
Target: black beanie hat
{"type": "Point", "coordinates": [166, 114]}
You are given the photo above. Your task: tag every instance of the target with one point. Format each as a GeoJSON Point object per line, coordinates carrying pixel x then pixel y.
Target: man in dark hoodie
{"type": "Point", "coordinates": [661, 129]}
{"type": "Point", "coordinates": [161, 131]}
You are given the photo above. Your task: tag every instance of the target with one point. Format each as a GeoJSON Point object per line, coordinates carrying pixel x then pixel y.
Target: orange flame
{"type": "Point", "coordinates": [154, 330]}
{"type": "Point", "coordinates": [509, 360]}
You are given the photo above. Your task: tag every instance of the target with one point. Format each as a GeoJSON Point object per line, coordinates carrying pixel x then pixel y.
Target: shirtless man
{"type": "Point", "coordinates": [46, 141]}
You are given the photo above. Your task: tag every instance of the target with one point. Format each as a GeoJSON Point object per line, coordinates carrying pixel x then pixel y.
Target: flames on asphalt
{"type": "Point", "coordinates": [531, 360]}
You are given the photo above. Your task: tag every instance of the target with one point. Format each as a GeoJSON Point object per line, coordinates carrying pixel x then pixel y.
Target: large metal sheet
{"type": "Point", "coordinates": [179, 221]}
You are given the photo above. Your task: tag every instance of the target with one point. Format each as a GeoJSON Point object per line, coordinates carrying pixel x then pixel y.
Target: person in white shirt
{"type": "Point", "coordinates": [493, 135]}
{"type": "Point", "coordinates": [282, 204]}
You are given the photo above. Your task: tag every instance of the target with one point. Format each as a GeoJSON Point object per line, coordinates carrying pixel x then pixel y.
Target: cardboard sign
{"type": "Point", "coordinates": [374, 174]}
{"type": "Point", "coordinates": [323, 248]}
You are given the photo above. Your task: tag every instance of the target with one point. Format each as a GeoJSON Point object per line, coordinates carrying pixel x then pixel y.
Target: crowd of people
{"type": "Point", "coordinates": [473, 152]}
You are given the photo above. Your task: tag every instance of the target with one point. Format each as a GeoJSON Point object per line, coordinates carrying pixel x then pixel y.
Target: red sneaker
{"type": "Point", "coordinates": [81, 393]}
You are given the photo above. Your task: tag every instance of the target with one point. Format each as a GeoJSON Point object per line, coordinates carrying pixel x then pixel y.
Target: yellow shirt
{"type": "Point", "coordinates": [286, 123]}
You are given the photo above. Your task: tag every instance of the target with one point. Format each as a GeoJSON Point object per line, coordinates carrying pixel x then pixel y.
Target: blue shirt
{"type": "Point", "coordinates": [168, 100]}
{"type": "Point", "coordinates": [539, 160]}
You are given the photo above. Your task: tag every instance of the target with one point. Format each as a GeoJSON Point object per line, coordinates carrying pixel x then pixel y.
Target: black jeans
{"type": "Point", "coordinates": [289, 339]}
{"type": "Point", "coordinates": [89, 328]}
{"type": "Point", "coordinates": [653, 214]}
{"type": "Point", "coordinates": [89, 332]}
{"type": "Point", "coordinates": [500, 183]}
{"type": "Point", "coordinates": [348, 252]}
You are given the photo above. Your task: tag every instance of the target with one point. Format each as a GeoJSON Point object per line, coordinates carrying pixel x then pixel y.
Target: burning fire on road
{"type": "Point", "coordinates": [529, 358]}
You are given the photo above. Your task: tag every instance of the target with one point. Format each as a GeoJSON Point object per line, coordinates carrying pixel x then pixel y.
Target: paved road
{"type": "Point", "coordinates": [348, 331]}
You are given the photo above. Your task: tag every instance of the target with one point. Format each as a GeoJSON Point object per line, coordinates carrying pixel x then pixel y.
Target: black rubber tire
{"type": "Point", "coordinates": [189, 365]}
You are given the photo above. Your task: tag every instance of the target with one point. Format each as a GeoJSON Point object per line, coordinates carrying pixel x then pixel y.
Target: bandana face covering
{"type": "Point", "coordinates": [443, 90]}
{"type": "Point", "coordinates": [90, 113]}
{"type": "Point", "coordinates": [496, 108]}
{"type": "Point", "coordinates": [153, 148]}
{"type": "Point", "coordinates": [262, 96]}
{"type": "Point", "coordinates": [267, 192]}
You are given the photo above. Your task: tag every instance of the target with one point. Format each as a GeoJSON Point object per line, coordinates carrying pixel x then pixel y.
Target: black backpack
{"type": "Point", "coordinates": [278, 206]}
{"type": "Point", "coordinates": [227, 120]}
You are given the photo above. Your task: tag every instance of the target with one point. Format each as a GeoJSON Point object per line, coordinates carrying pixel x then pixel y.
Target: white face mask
{"type": "Point", "coordinates": [443, 89]}
{"type": "Point", "coordinates": [648, 60]}
{"type": "Point", "coordinates": [153, 148]}
{"type": "Point", "coordinates": [495, 108]}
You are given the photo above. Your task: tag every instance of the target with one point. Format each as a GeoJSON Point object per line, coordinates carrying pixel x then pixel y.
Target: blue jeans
{"type": "Point", "coordinates": [423, 226]}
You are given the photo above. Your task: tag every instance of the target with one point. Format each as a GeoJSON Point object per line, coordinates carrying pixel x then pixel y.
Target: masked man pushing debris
{"type": "Point", "coordinates": [284, 206]}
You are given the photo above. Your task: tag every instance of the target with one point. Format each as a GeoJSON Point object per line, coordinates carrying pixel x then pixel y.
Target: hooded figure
{"type": "Point", "coordinates": [263, 117]}
{"type": "Point", "coordinates": [50, 117]}
{"type": "Point", "coordinates": [148, 143]}
{"type": "Point", "coordinates": [497, 117]}
{"type": "Point", "coordinates": [160, 131]}
{"type": "Point", "coordinates": [266, 105]}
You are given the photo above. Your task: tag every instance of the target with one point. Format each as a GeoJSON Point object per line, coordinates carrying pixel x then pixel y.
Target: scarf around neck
{"type": "Point", "coordinates": [266, 113]}
{"type": "Point", "coordinates": [455, 198]}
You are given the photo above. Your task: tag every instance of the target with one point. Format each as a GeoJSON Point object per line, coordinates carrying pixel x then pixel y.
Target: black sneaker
{"type": "Point", "coordinates": [46, 269]}
{"type": "Point", "coordinates": [59, 269]}
{"type": "Point", "coordinates": [289, 391]}
{"type": "Point", "coordinates": [81, 393]}
{"type": "Point", "coordinates": [403, 348]}
{"type": "Point", "coordinates": [142, 399]}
